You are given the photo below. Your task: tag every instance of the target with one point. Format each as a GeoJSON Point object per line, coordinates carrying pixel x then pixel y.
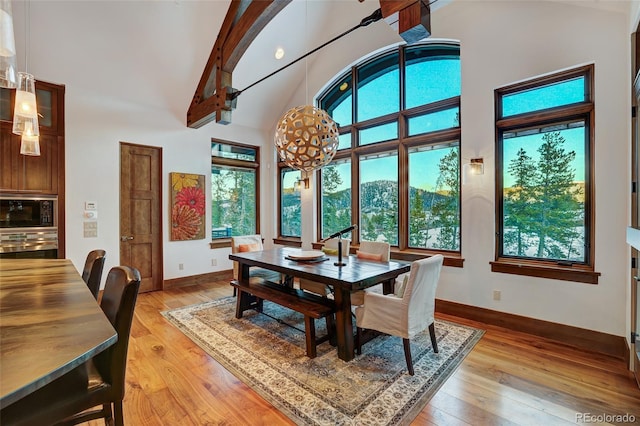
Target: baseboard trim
{"type": "Point", "coordinates": [604, 343]}
{"type": "Point", "coordinates": [197, 279]}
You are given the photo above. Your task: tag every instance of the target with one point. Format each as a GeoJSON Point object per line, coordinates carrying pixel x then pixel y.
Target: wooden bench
{"type": "Point", "coordinates": [251, 295]}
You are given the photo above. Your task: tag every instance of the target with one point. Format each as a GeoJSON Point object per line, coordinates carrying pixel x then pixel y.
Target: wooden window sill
{"type": "Point", "coordinates": [220, 243]}
{"type": "Point", "coordinates": [288, 241]}
{"type": "Point", "coordinates": [450, 258]}
{"type": "Point", "coordinates": [575, 273]}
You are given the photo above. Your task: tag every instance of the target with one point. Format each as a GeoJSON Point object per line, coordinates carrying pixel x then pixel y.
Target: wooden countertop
{"type": "Point", "coordinates": [49, 324]}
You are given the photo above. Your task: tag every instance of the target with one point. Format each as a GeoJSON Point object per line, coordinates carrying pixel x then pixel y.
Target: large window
{"type": "Point", "coordinates": [397, 171]}
{"type": "Point", "coordinates": [544, 177]}
{"type": "Point", "coordinates": [234, 189]}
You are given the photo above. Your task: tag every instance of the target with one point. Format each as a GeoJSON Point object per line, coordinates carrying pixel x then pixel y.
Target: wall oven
{"type": "Point", "coordinates": [28, 226]}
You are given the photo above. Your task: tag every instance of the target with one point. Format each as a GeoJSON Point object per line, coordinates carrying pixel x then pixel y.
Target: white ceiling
{"type": "Point", "coordinates": [153, 52]}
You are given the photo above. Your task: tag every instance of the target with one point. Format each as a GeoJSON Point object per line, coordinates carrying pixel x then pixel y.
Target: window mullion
{"type": "Point", "coordinates": [403, 197]}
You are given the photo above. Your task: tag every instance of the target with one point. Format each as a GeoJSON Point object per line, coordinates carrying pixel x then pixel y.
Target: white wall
{"type": "Point", "coordinates": [501, 43]}
{"type": "Point", "coordinates": [94, 132]}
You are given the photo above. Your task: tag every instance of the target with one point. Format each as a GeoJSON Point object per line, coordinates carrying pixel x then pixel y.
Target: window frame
{"type": "Point", "coordinates": [241, 164]}
{"type": "Point", "coordinates": [285, 240]}
{"type": "Point", "coordinates": [552, 269]}
{"type": "Point", "coordinates": [401, 145]}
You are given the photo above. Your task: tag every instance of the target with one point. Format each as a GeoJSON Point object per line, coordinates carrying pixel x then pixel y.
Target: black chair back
{"type": "Point", "coordinates": [118, 303]}
{"type": "Point", "coordinates": [92, 272]}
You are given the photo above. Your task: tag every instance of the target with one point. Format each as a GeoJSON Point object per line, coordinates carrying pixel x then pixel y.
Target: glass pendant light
{"type": "Point", "coordinates": [8, 59]}
{"type": "Point", "coordinates": [29, 143]}
{"type": "Point", "coordinates": [25, 113]}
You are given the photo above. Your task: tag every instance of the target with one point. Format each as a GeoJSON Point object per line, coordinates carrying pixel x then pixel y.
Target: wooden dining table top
{"type": "Point", "coordinates": [355, 275]}
{"type": "Point", "coordinates": [49, 324]}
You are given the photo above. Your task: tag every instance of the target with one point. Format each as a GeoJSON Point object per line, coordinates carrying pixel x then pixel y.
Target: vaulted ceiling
{"type": "Point", "coordinates": [215, 96]}
{"type": "Point", "coordinates": [141, 56]}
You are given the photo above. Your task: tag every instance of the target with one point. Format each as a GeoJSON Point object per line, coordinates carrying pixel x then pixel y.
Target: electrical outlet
{"type": "Point", "coordinates": [214, 262]}
{"type": "Point", "coordinates": [497, 294]}
{"type": "Point", "coordinates": [181, 266]}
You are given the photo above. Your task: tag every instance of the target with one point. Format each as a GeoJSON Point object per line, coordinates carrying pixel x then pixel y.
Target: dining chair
{"type": "Point", "coordinates": [407, 315]}
{"type": "Point", "coordinates": [331, 248]}
{"type": "Point", "coordinates": [92, 272]}
{"type": "Point", "coordinates": [99, 382]}
{"type": "Point", "coordinates": [248, 243]}
{"type": "Point", "coordinates": [375, 251]}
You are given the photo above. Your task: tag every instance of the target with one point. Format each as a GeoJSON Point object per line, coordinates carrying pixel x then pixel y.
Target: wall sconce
{"type": "Point", "coordinates": [474, 167]}
{"type": "Point", "coordinates": [303, 182]}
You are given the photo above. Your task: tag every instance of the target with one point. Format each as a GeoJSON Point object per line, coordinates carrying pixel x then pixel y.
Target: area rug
{"type": "Point", "coordinates": [373, 389]}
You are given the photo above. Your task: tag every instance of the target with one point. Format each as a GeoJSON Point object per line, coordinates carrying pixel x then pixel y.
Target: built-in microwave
{"type": "Point", "coordinates": [28, 211]}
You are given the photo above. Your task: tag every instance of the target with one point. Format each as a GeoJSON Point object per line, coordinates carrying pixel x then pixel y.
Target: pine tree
{"type": "Point", "coordinates": [518, 205]}
{"type": "Point", "coordinates": [389, 224]}
{"type": "Point", "coordinates": [446, 210]}
{"type": "Point", "coordinates": [557, 209]}
{"type": "Point", "coordinates": [218, 196]}
{"type": "Point", "coordinates": [418, 224]}
{"type": "Point", "coordinates": [332, 218]}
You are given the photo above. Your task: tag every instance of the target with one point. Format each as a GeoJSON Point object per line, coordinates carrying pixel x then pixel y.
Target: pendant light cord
{"type": "Point", "coordinates": [27, 31]}
{"type": "Point", "coordinates": [375, 16]}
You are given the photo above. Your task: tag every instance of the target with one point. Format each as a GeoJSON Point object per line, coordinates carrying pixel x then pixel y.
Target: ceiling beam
{"type": "Point", "coordinates": [240, 27]}
{"type": "Point", "coordinates": [214, 100]}
{"type": "Point", "coordinates": [411, 18]}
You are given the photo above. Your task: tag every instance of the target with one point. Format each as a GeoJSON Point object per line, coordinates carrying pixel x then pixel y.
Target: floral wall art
{"type": "Point", "coordinates": [187, 206]}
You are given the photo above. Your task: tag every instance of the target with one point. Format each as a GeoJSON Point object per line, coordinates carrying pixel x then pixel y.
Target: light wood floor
{"type": "Point", "coordinates": [508, 379]}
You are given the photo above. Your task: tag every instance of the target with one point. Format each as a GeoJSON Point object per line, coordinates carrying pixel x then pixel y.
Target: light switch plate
{"type": "Point", "coordinates": [91, 229]}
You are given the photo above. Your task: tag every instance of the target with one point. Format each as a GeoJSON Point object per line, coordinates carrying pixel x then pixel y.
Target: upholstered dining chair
{"type": "Point", "coordinates": [98, 382]}
{"type": "Point", "coordinates": [375, 251]}
{"type": "Point", "coordinates": [92, 272]}
{"type": "Point", "coordinates": [331, 248]}
{"type": "Point", "coordinates": [407, 315]}
{"type": "Point", "coordinates": [248, 243]}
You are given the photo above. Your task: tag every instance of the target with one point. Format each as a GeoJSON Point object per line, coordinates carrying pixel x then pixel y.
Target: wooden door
{"type": "Point", "coordinates": [141, 212]}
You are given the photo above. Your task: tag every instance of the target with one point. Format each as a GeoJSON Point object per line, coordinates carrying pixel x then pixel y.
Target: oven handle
{"type": "Point", "coordinates": [36, 246]}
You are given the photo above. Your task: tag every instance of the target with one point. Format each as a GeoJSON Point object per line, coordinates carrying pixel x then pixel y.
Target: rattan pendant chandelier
{"type": "Point", "coordinates": [306, 138]}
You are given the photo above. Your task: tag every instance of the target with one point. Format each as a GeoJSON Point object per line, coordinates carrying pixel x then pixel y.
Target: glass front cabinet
{"type": "Point", "coordinates": [43, 174]}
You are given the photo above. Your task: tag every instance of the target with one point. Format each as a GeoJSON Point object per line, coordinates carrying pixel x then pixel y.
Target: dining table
{"type": "Point", "coordinates": [50, 323]}
{"type": "Point", "coordinates": [356, 274]}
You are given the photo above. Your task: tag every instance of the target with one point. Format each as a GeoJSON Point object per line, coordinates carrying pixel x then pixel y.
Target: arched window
{"type": "Point", "coordinates": [397, 171]}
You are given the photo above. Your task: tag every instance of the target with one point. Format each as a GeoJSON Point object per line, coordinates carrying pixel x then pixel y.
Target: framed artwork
{"type": "Point", "coordinates": [187, 206]}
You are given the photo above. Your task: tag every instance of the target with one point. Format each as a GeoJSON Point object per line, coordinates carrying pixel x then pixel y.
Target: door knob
{"type": "Point", "coordinates": [126, 237]}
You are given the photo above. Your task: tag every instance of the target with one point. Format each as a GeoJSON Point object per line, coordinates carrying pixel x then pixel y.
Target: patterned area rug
{"type": "Point", "coordinates": [372, 389]}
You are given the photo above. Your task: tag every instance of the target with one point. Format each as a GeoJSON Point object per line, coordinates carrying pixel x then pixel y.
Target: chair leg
{"type": "Point", "coordinates": [117, 413]}
{"type": "Point", "coordinates": [407, 355]}
{"type": "Point", "coordinates": [358, 341]}
{"type": "Point", "coordinates": [432, 334]}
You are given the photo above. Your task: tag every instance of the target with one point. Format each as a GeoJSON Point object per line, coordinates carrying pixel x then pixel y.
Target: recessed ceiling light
{"type": "Point", "coordinates": [344, 86]}
{"type": "Point", "coordinates": [279, 53]}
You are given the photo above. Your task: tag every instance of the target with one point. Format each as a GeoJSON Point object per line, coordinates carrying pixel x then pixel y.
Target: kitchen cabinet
{"type": "Point", "coordinates": [42, 174]}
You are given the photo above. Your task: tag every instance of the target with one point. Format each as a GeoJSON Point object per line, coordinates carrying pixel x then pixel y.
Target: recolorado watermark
{"type": "Point", "coordinates": [605, 418]}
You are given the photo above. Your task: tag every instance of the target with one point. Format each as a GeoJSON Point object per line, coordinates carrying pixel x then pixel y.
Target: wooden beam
{"type": "Point", "coordinates": [391, 7]}
{"type": "Point", "coordinates": [411, 18]}
{"type": "Point", "coordinates": [239, 28]}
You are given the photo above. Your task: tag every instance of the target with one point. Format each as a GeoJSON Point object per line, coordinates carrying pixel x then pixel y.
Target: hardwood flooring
{"type": "Point", "coordinates": [508, 379]}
